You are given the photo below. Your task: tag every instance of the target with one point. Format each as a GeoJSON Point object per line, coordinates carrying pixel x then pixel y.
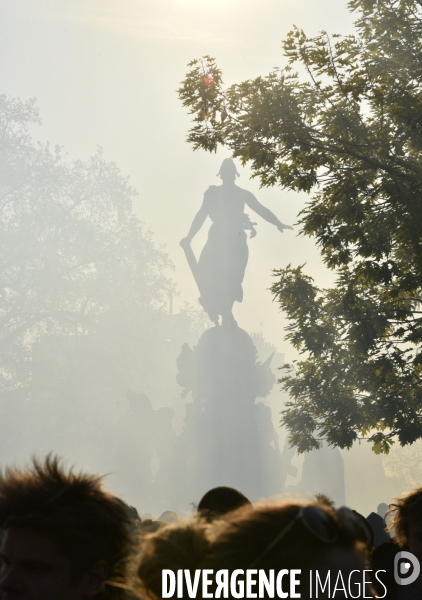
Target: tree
{"type": "Point", "coordinates": [83, 300]}
{"type": "Point", "coordinates": [71, 246]}
{"type": "Point", "coordinates": [347, 129]}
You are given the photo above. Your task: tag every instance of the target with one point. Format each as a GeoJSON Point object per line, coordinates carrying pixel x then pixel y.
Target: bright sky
{"type": "Point", "coordinates": [105, 72]}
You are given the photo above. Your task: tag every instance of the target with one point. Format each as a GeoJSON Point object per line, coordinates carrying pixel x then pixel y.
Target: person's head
{"type": "Point", "coordinates": [149, 526]}
{"type": "Point", "coordinates": [382, 509]}
{"type": "Point", "coordinates": [324, 499]}
{"type": "Point", "coordinates": [65, 538]}
{"type": "Point", "coordinates": [263, 537]}
{"type": "Point", "coordinates": [174, 547]}
{"type": "Point", "coordinates": [289, 535]}
{"type": "Point", "coordinates": [169, 516]}
{"type": "Point", "coordinates": [134, 518]}
{"type": "Point", "coordinates": [406, 521]}
{"type": "Point", "coordinates": [220, 501]}
{"type": "Point", "coordinates": [228, 171]}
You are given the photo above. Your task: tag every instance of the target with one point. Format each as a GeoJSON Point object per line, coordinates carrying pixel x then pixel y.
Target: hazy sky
{"type": "Point", "coordinates": [105, 72]}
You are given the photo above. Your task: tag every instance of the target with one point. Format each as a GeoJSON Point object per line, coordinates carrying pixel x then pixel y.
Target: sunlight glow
{"type": "Point", "coordinates": [208, 79]}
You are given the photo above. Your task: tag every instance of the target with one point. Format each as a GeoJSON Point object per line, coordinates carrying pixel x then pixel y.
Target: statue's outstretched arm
{"type": "Point", "coordinates": [265, 213]}
{"type": "Point", "coordinates": [197, 223]}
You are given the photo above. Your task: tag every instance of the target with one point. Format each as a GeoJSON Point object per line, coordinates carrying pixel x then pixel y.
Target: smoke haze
{"type": "Point", "coordinates": [97, 299]}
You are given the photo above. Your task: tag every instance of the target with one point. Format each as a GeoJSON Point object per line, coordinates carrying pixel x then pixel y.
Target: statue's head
{"type": "Point", "coordinates": [228, 170]}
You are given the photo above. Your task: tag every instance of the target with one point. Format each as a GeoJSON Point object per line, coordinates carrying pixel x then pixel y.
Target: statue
{"type": "Point", "coordinates": [220, 269]}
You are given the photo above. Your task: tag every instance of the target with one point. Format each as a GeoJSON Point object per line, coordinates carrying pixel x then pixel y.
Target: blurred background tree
{"type": "Point", "coordinates": [84, 301]}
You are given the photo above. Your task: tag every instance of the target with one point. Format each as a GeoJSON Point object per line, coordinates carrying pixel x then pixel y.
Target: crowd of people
{"type": "Point", "coordinates": [64, 537]}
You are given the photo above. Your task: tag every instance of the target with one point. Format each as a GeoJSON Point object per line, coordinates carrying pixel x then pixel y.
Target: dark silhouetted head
{"type": "Point", "coordinates": [75, 535]}
{"type": "Point", "coordinates": [406, 521]}
{"type": "Point", "coordinates": [220, 501]}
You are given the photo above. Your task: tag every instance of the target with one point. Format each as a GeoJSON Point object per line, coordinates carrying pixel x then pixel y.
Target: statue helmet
{"type": "Point", "coordinates": [227, 168]}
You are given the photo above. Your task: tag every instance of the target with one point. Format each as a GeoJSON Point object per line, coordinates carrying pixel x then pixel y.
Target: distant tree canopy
{"type": "Point", "coordinates": [347, 129]}
{"type": "Point", "coordinates": [71, 247]}
{"type": "Point", "coordinates": [83, 296]}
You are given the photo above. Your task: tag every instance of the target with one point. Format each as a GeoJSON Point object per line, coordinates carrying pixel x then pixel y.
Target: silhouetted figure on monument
{"type": "Point", "coordinates": [220, 269]}
{"type": "Point", "coordinates": [228, 437]}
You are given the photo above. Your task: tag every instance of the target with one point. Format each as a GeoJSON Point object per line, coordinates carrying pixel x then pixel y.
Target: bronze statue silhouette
{"type": "Point", "coordinates": [220, 270]}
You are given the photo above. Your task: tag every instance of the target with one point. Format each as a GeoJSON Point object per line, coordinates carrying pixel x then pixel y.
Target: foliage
{"type": "Point", "coordinates": [348, 129]}
{"type": "Point", "coordinates": [404, 465]}
{"type": "Point", "coordinates": [83, 300]}
{"type": "Point", "coordinates": [71, 246]}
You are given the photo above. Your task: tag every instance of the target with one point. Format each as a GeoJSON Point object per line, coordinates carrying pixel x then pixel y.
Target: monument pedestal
{"type": "Point", "coordinates": [228, 437]}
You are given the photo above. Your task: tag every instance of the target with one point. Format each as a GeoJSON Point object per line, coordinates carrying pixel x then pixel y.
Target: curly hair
{"type": "Point", "coordinates": [182, 546]}
{"type": "Point", "coordinates": [405, 510]}
{"type": "Point", "coordinates": [86, 523]}
{"type": "Point", "coordinates": [235, 541]}
{"type": "Point", "coordinates": [241, 540]}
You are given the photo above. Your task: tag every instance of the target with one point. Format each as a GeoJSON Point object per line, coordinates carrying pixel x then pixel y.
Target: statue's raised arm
{"type": "Point", "coordinates": [265, 213]}
{"type": "Point", "coordinates": [220, 270]}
